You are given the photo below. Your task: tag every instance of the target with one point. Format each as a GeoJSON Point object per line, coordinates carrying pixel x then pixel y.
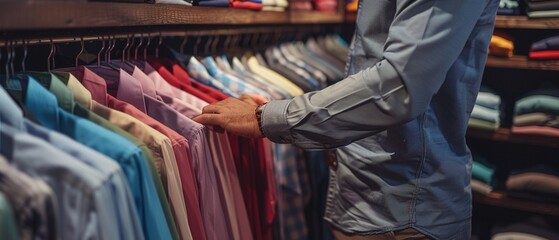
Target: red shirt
{"type": "Point", "coordinates": [171, 79]}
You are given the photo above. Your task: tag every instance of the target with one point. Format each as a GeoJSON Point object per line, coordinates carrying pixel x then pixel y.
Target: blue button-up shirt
{"type": "Point", "coordinates": [45, 108]}
{"type": "Point", "coordinates": [399, 119]}
{"type": "Point", "coordinates": [121, 218]}
{"type": "Point", "coordinates": [78, 188]}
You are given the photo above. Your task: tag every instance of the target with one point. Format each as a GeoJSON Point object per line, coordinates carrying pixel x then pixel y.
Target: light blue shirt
{"type": "Point", "coordinates": [78, 188]}
{"type": "Point", "coordinates": [121, 219]}
{"type": "Point", "coordinates": [199, 73]}
{"type": "Point", "coordinates": [45, 108]}
{"type": "Point", "coordinates": [231, 82]}
{"type": "Point", "coordinates": [398, 120]}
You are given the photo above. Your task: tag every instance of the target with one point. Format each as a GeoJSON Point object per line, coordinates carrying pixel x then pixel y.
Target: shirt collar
{"type": "Point", "coordinates": [160, 84]}
{"type": "Point", "coordinates": [42, 103]}
{"type": "Point", "coordinates": [56, 86]}
{"type": "Point", "coordinates": [10, 113]}
{"type": "Point", "coordinates": [93, 83]}
{"type": "Point", "coordinates": [81, 95]}
{"type": "Point", "coordinates": [148, 86]}
{"type": "Point", "coordinates": [130, 90]}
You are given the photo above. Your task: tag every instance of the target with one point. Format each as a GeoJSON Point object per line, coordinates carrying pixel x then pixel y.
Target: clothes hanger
{"type": "Point", "coordinates": [123, 53]}
{"type": "Point", "coordinates": [138, 47]}
{"type": "Point", "coordinates": [23, 70]}
{"type": "Point", "coordinates": [196, 44]}
{"type": "Point", "coordinates": [183, 44]}
{"type": "Point", "coordinates": [158, 45]}
{"type": "Point", "coordinates": [16, 92]}
{"type": "Point", "coordinates": [147, 46]}
{"type": "Point", "coordinates": [81, 51]}
{"type": "Point", "coordinates": [108, 63]}
{"type": "Point", "coordinates": [207, 46]}
{"type": "Point", "coordinates": [100, 51]}
{"type": "Point", "coordinates": [7, 46]}
{"type": "Point", "coordinates": [214, 45]}
{"type": "Point", "coordinates": [51, 56]}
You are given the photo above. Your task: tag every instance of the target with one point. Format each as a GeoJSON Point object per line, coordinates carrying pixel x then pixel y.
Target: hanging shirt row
{"type": "Point", "coordinates": [111, 152]}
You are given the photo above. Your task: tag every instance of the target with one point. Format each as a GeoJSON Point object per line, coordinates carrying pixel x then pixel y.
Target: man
{"type": "Point", "coordinates": [401, 168]}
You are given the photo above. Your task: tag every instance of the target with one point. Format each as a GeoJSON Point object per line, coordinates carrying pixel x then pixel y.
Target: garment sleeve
{"type": "Point", "coordinates": [423, 41]}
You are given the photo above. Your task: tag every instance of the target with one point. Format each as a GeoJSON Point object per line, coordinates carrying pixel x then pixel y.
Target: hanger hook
{"type": "Point", "coordinates": [132, 42]}
{"type": "Point", "coordinates": [207, 45]}
{"type": "Point", "coordinates": [125, 47]}
{"type": "Point", "coordinates": [13, 51]}
{"type": "Point", "coordinates": [7, 59]}
{"type": "Point", "coordinates": [24, 56]}
{"type": "Point", "coordinates": [111, 47]}
{"type": "Point", "coordinates": [51, 53]}
{"type": "Point", "coordinates": [81, 51]}
{"type": "Point", "coordinates": [184, 41]}
{"type": "Point", "coordinates": [226, 43]}
{"type": "Point", "coordinates": [100, 50]}
{"type": "Point", "coordinates": [147, 46]}
{"type": "Point", "coordinates": [235, 42]}
{"type": "Point", "coordinates": [195, 51]}
{"type": "Point", "coordinates": [138, 47]}
{"type": "Point", "coordinates": [215, 43]}
{"type": "Point", "coordinates": [158, 45]}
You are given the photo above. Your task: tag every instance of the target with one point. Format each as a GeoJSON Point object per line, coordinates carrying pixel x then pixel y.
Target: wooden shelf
{"type": "Point", "coordinates": [526, 23]}
{"type": "Point", "coordinates": [522, 62]}
{"type": "Point", "coordinates": [505, 135]}
{"type": "Point", "coordinates": [43, 15]}
{"type": "Point", "coordinates": [499, 199]}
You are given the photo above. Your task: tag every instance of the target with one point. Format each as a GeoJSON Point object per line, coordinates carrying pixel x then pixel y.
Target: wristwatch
{"type": "Point", "coordinates": [258, 113]}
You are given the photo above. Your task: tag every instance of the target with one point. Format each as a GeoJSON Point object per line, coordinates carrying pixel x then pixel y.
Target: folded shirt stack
{"type": "Point", "coordinates": [508, 7]}
{"type": "Point", "coordinates": [351, 6]}
{"type": "Point", "coordinates": [326, 5]}
{"type": "Point", "coordinates": [537, 113]}
{"type": "Point", "coordinates": [542, 8]}
{"type": "Point", "coordinates": [531, 228]}
{"type": "Point", "coordinates": [486, 113]}
{"type": "Point", "coordinates": [300, 5]}
{"type": "Point", "coordinates": [483, 175]}
{"type": "Point", "coordinates": [500, 46]}
{"type": "Point", "coordinates": [545, 49]}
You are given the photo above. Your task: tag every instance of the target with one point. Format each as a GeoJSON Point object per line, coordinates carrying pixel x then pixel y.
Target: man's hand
{"type": "Point", "coordinates": [236, 116]}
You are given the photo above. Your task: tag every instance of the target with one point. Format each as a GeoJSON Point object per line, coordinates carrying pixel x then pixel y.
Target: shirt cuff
{"type": "Point", "coordinates": [274, 121]}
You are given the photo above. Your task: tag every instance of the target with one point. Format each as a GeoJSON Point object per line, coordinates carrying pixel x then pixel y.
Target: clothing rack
{"type": "Point", "coordinates": [51, 30]}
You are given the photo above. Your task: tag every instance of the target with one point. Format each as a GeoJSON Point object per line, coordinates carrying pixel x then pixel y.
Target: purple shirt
{"type": "Point", "coordinates": [130, 89]}
{"type": "Point", "coordinates": [190, 106]}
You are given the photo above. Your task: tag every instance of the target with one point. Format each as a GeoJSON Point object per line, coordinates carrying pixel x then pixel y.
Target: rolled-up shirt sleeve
{"type": "Point", "coordinates": [425, 39]}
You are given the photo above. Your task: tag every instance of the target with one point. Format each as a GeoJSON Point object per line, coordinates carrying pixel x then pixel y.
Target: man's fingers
{"type": "Point", "coordinates": [208, 119]}
{"type": "Point", "coordinates": [209, 109]}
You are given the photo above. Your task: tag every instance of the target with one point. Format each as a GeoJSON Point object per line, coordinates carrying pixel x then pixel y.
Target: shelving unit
{"type": "Point", "coordinates": [41, 15]}
{"type": "Point", "coordinates": [499, 199]}
{"type": "Point", "coordinates": [523, 22]}
{"type": "Point", "coordinates": [505, 135]}
{"type": "Point", "coordinates": [522, 62]}
{"type": "Point", "coordinates": [512, 77]}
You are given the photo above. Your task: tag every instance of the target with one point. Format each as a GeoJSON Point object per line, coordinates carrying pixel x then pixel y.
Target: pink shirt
{"type": "Point", "coordinates": [192, 106]}
{"type": "Point", "coordinates": [131, 89]}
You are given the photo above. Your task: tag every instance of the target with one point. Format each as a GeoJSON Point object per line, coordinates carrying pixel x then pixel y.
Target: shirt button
{"type": "Point", "coordinates": [332, 159]}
